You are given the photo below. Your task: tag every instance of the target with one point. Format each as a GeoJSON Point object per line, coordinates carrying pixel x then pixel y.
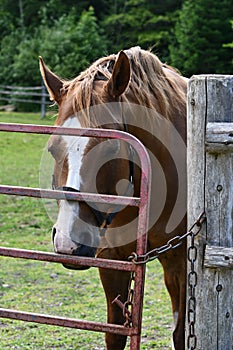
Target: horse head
{"type": "Point", "coordinates": [86, 164]}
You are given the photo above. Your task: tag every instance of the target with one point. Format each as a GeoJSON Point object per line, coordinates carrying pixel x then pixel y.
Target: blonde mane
{"type": "Point", "coordinates": [152, 84]}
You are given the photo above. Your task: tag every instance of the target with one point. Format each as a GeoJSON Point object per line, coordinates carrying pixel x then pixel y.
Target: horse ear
{"type": "Point", "coordinates": [52, 82]}
{"type": "Point", "coordinates": [120, 76]}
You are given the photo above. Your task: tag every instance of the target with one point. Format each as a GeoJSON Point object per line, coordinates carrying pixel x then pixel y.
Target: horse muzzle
{"type": "Point", "coordinates": [63, 244]}
{"type": "Point", "coordinates": [82, 250]}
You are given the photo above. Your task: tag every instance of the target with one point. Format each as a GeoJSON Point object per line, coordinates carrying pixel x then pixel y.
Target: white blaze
{"type": "Point", "coordinates": [76, 146]}
{"type": "Point", "coordinates": [64, 241]}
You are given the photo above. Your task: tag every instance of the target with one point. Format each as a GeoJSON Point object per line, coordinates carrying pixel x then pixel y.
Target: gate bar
{"type": "Point", "coordinates": [67, 259]}
{"type": "Point", "coordinates": [65, 322]}
{"type": "Point", "coordinates": [76, 196]}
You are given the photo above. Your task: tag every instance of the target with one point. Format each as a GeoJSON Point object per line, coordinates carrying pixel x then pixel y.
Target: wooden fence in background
{"type": "Point", "coordinates": [22, 94]}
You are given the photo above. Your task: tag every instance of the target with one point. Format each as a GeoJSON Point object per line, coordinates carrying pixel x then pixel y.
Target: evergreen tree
{"type": "Point", "coordinates": [89, 43]}
{"type": "Point", "coordinates": [69, 40]}
{"type": "Point", "coordinates": [230, 45]}
{"type": "Point", "coordinates": [68, 47]}
{"type": "Point", "coordinates": [31, 12]}
{"type": "Point", "coordinates": [201, 31]}
{"type": "Point", "coordinates": [146, 23]}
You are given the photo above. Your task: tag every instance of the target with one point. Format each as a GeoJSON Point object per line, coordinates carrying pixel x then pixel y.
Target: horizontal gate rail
{"type": "Point", "coordinates": [141, 202]}
{"type": "Point", "coordinates": [67, 259]}
{"type": "Point", "coordinates": [65, 322]}
{"type": "Point", "coordinates": [75, 196]}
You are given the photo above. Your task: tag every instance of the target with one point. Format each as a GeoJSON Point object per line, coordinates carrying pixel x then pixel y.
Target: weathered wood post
{"type": "Point", "coordinates": [210, 188]}
{"type": "Point", "coordinates": [43, 101]}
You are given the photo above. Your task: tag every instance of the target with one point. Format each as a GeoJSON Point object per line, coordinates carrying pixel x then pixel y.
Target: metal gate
{"type": "Point", "coordinates": [142, 202]}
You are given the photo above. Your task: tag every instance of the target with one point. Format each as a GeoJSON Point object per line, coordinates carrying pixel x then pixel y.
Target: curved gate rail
{"type": "Point", "coordinates": [141, 202]}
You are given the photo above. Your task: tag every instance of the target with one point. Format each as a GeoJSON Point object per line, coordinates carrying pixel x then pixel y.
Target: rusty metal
{"type": "Point", "coordinates": [127, 306]}
{"type": "Point", "coordinates": [71, 196]}
{"type": "Point", "coordinates": [66, 259]}
{"type": "Point", "coordinates": [130, 300]}
{"type": "Point", "coordinates": [65, 322]}
{"type": "Point", "coordinates": [142, 203]}
{"type": "Point", "coordinates": [122, 305]}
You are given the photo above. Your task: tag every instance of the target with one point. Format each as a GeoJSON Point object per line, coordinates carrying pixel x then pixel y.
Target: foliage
{"type": "Point", "coordinates": [7, 57]}
{"type": "Point", "coordinates": [194, 36]}
{"type": "Point", "coordinates": [201, 31]}
{"type": "Point", "coordinates": [141, 22]}
{"type": "Point", "coordinates": [33, 12]}
{"type": "Point", "coordinates": [230, 45]}
{"type": "Point", "coordinates": [67, 46]}
{"type": "Point", "coordinates": [70, 36]}
{"type": "Point", "coordinates": [88, 45]}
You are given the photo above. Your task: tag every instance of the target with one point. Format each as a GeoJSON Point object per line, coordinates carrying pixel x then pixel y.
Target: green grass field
{"type": "Point", "coordinates": [49, 288]}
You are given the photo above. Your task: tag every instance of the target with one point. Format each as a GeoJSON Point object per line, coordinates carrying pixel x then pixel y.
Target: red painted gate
{"type": "Point", "coordinates": [142, 202]}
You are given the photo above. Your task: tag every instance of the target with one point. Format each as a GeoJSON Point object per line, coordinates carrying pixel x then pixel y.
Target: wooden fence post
{"type": "Point", "coordinates": [210, 188]}
{"type": "Point", "coordinates": [43, 100]}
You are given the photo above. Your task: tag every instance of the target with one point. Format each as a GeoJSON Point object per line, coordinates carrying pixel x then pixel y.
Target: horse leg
{"type": "Point", "coordinates": [115, 283]}
{"type": "Point", "coordinates": [174, 265]}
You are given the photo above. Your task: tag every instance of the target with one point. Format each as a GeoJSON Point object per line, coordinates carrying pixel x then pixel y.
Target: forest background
{"type": "Point", "coordinates": [194, 36]}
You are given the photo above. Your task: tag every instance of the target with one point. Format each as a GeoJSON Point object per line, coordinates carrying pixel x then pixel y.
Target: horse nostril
{"type": "Point", "coordinates": [54, 231]}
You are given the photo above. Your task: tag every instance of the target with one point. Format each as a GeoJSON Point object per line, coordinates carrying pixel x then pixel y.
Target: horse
{"type": "Point", "coordinates": [131, 91]}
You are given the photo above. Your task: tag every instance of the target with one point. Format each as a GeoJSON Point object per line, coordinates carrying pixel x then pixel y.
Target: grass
{"type": "Point", "coordinates": [49, 288]}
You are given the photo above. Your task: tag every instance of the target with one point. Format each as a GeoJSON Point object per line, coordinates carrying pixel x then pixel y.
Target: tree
{"type": "Point", "coordinates": [146, 23]}
{"type": "Point", "coordinates": [201, 31]}
{"type": "Point", "coordinates": [32, 12]}
{"type": "Point", "coordinates": [7, 54]}
{"type": "Point", "coordinates": [89, 43]}
{"type": "Point", "coordinates": [68, 47]}
{"type": "Point", "coordinates": [47, 28]}
{"type": "Point", "coordinates": [230, 45]}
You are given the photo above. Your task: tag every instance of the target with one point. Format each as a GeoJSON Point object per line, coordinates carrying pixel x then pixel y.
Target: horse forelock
{"type": "Point", "coordinates": [152, 84]}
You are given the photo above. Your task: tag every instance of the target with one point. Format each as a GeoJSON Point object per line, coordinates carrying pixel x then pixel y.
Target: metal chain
{"type": "Point", "coordinates": [192, 275]}
{"type": "Point", "coordinates": [127, 306]}
{"type": "Point", "coordinates": [129, 302]}
{"type": "Point", "coordinates": [153, 254]}
{"type": "Point", "coordinates": [192, 283]}
{"type": "Point", "coordinates": [173, 243]}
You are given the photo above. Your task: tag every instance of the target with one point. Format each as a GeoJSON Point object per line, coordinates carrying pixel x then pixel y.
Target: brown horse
{"type": "Point", "coordinates": [134, 92]}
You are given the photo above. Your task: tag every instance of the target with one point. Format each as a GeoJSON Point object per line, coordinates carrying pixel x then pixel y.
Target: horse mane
{"type": "Point", "coordinates": [152, 84]}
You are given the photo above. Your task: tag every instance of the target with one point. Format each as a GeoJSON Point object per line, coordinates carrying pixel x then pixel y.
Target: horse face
{"type": "Point", "coordinates": [86, 165]}
{"type": "Point", "coordinates": [70, 236]}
